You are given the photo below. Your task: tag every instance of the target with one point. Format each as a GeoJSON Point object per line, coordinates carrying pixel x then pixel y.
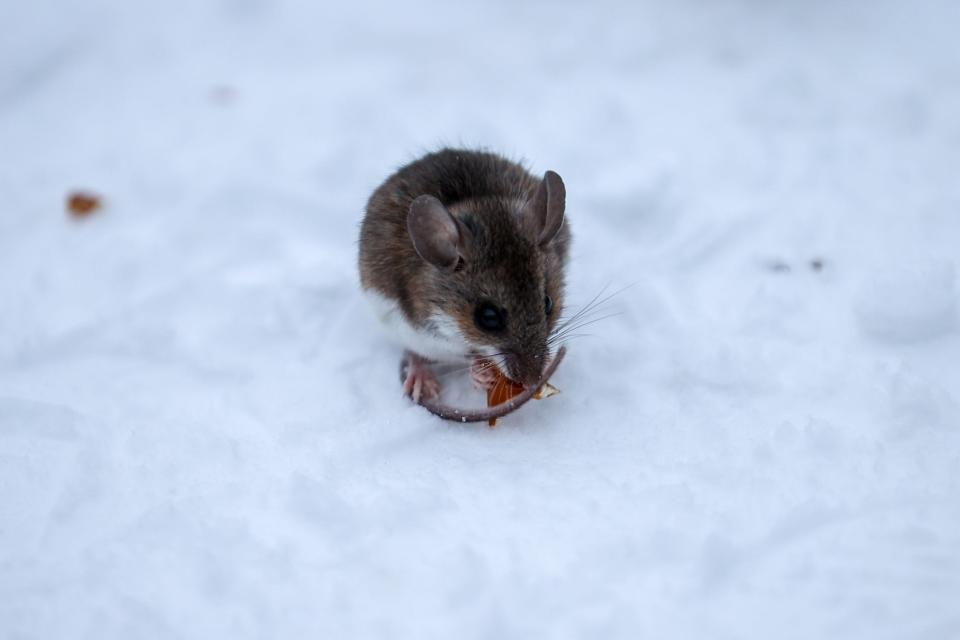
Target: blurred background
{"type": "Point", "coordinates": [201, 430]}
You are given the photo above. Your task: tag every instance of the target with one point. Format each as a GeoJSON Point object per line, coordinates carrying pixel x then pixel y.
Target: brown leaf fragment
{"type": "Point", "coordinates": [81, 204]}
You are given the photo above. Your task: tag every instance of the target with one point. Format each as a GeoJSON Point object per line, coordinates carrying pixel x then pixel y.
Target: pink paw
{"type": "Point", "coordinates": [419, 382]}
{"type": "Point", "coordinates": [483, 372]}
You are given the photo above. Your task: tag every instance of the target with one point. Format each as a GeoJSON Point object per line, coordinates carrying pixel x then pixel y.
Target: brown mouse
{"type": "Point", "coordinates": [462, 254]}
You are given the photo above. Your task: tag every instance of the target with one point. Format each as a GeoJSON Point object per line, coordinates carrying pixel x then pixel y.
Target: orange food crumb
{"type": "Point", "coordinates": [81, 204]}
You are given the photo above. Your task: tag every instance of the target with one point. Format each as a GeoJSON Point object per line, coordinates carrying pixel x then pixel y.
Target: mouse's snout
{"type": "Point", "coordinates": [527, 369]}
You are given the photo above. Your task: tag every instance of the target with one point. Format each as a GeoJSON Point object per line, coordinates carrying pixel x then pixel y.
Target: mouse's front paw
{"type": "Point", "coordinates": [419, 382]}
{"type": "Point", "coordinates": [483, 372]}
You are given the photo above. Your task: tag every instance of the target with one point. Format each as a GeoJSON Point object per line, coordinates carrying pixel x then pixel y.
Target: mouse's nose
{"type": "Point", "coordinates": [525, 368]}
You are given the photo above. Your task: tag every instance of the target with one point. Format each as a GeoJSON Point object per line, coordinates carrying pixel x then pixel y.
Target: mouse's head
{"type": "Point", "coordinates": [498, 277]}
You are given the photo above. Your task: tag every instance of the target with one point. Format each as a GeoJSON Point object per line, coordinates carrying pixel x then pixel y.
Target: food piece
{"type": "Point", "coordinates": [81, 204]}
{"type": "Point", "coordinates": [545, 391]}
{"type": "Point", "coordinates": [504, 389]}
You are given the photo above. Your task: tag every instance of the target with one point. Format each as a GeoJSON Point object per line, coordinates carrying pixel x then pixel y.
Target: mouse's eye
{"type": "Point", "coordinates": [548, 305]}
{"type": "Point", "coordinates": [489, 318]}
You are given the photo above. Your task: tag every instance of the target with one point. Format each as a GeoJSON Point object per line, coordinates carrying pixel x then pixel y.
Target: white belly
{"type": "Point", "coordinates": [442, 341]}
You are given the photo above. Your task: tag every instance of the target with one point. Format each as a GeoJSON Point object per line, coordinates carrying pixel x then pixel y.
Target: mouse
{"type": "Point", "coordinates": [462, 257]}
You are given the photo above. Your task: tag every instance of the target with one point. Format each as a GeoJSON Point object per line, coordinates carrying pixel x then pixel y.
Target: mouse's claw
{"type": "Point", "coordinates": [418, 381]}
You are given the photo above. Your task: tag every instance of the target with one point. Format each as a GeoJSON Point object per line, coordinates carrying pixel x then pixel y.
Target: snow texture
{"type": "Point", "coordinates": [201, 428]}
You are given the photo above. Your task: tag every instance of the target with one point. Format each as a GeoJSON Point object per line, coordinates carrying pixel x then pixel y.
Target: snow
{"type": "Point", "coordinates": [916, 302]}
{"type": "Point", "coordinates": [201, 427]}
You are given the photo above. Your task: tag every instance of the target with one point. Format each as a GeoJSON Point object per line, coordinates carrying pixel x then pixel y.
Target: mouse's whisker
{"type": "Point", "coordinates": [597, 306]}
{"type": "Point", "coordinates": [600, 298]}
{"type": "Point", "coordinates": [584, 309]}
{"type": "Point", "coordinates": [566, 331]}
{"type": "Point", "coordinates": [571, 336]}
{"type": "Point", "coordinates": [490, 362]}
{"type": "Point", "coordinates": [446, 373]}
{"type": "Point", "coordinates": [586, 321]}
{"type": "Point", "coordinates": [559, 343]}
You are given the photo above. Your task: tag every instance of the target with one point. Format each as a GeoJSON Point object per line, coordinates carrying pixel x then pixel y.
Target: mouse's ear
{"type": "Point", "coordinates": [542, 216]}
{"type": "Point", "coordinates": [435, 234]}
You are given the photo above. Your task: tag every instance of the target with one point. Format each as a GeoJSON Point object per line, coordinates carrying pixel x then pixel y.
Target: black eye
{"type": "Point", "coordinates": [489, 318]}
{"type": "Point", "coordinates": [548, 305]}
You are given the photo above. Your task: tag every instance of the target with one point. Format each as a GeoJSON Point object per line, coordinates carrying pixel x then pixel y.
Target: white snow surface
{"type": "Point", "coordinates": [202, 433]}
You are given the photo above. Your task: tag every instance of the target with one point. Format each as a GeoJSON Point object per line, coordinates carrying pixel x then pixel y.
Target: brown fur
{"type": "Point", "coordinates": [501, 262]}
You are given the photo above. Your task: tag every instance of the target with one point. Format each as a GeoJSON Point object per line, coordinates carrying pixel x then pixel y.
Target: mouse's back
{"type": "Point", "coordinates": [451, 175]}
